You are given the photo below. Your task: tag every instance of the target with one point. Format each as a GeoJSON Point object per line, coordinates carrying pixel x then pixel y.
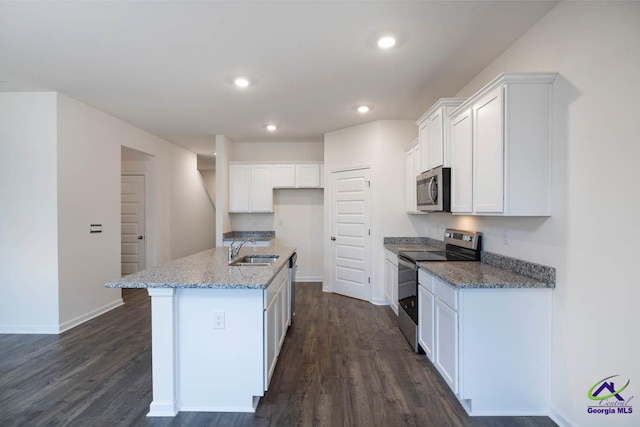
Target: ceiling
{"type": "Point", "coordinates": [168, 67]}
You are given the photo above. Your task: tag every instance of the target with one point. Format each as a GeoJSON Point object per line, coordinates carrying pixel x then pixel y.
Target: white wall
{"type": "Point", "coordinates": [63, 160]}
{"type": "Point", "coordinates": [88, 193]}
{"type": "Point", "coordinates": [379, 145]}
{"type": "Point", "coordinates": [28, 213]}
{"type": "Point", "coordinates": [224, 150]}
{"type": "Point", "coordinates": [590, 238]}
{"type": "Point", "coordinates": [277, 151]}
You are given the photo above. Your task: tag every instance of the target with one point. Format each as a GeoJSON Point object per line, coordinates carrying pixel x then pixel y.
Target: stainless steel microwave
{"type": "Point", "coordinates": [434, 190]}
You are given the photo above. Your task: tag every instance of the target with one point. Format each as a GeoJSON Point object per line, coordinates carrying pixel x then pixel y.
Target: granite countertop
{"type": "Point", "coordinates": [256, 235]}
{"type": "Point", "coordinates": [495, 271]}
{"type": "Point", "coordinates": [401, 247]}
{"type": "Point", "coordinates": [209, 270]}
{"type": "Point", "coordinates": [470, 274]}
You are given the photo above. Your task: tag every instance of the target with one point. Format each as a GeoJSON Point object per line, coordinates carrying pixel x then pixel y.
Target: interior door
{"type": "Point", "coordinates": [350, 246]}
{"type": "Point", "coordinates": [132, 224]}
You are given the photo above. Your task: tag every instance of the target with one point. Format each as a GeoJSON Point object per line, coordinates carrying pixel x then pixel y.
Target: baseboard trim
{"type": "Point", "coordinates": [379, 301]}
{"type": "Point", "coordinates": [30, 329]}
{"type": "Point", "coordinates": [558, 418]}
{"type": "Point", "coordinates": [308, 278]}
{"type": "Point", "coordinates": [65, 326]}
{"type": "Point", "coordinates": [162, 409]}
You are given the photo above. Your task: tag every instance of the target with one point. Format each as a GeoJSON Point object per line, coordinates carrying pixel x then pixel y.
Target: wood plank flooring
{"type": "Point", "coordinates": [344, 363]}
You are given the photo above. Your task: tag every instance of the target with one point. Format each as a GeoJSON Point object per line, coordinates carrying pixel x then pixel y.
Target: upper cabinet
{"type": "Point", "coordinates": [411, 169]}
{"type": "Point", "coordinates": [251, 185]}
{"type": "Point", "coordinates": [500, 148]}
{"type": "Point", "coordinates": [299, 175]}
{"type": "Point", "coordinates": [433, 134]}
{"type": "Point", "coordinates": [250, 188]}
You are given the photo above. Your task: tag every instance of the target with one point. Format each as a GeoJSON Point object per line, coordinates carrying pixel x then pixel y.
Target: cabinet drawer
{"type": "Point", "coordinates": [446, 294]}
{"type": "Point", "coordinates": [426, 280]}
{"type": "Point", "coordinates": [272, 289]}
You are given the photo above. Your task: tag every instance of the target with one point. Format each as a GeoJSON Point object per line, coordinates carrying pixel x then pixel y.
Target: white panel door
{"type": "Point", "coordinates": [488, 154]}
{"type": "Point", "coordinates": [350, 248]}
{"type": "Point", "coordinates": [132, 212]}
{"type": "Point", "coordinates": [446, 343]}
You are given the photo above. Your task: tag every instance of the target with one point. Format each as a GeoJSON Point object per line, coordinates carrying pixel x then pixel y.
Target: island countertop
{"type": "Point", "coordinates": [209, 270]}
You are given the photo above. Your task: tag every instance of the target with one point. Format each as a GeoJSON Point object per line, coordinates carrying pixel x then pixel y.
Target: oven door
{"type": "Point", "coordinates": [408, 288]}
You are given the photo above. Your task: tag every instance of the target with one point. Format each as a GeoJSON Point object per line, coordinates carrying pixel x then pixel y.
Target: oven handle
{"type": "Point", "coordinates": [407, 263]}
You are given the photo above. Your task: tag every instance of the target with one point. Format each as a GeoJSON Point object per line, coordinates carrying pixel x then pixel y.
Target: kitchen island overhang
{"type": "Point", "coordinates": [216, 329]}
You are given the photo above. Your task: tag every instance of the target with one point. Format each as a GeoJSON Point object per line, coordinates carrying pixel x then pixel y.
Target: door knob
{"type": "Point", "coordinates": [140, 237]}
{"type": "Point", "coordinates": [333, 238]}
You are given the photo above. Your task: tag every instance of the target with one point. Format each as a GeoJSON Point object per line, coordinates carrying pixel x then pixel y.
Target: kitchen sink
{"type": "Point", "coordinates": [254, 260]}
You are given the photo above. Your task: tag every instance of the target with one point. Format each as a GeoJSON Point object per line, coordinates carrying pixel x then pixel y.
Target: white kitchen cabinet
{"type": "Point", "coordinates": [391, 279]}
{"type": "Point", "coordinates": [433, 131]}
{"type": "Point", "coordinates": [510, 147]}
{"type": "Point", "coordinates": [411, 168]}
{"type": "Point", "coordinates": [446, 343]}
{"type": "Point", "coordinates": [298, 175]}
{"type": "Point", "coordinates": [283, 176]}
{"type": "Point", "coordinates": [461, 162]}
{"type": "Point", "coordinates": [426, 314]}
{"type": "Point", "coordinates": [275, 321]}
{"type": "Point", "coordinates": [491, 346]}
{"type": "Point", "coordinates": [239, 188]}
{"type": "Point", "coordinates": [250, 188]}
{"type": "Point", "coordinates": [308, 176]}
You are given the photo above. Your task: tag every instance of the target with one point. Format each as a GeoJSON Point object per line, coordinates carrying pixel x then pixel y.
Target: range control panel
{"type": "Point", "coordinates": [462, 238]}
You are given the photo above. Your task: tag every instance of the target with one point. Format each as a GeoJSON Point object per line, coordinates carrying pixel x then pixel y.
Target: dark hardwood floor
{"type": "Point", "coordinates": [344, 363]}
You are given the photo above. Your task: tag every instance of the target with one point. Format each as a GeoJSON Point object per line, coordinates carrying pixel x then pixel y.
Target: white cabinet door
{"type": "Point", "coordinates": [283, 318]}
{"type": "Point", "coordinates": [461, 163]}
{"type": "Point", "coordinates": [283, 176]}
{"type": "Point", "coordinates": [239, 188]}
{"type": "Point", "coordinates": [435, 139]}
{"type": "Point", "coordinates": [423, 132]}
{"type": "Point", "coordinates": [488, 174]}
{"type": "Point", "coordinates": [426, 320]}
{"type": "Point", "coordinates": [446, 344]}
{"type": "Point", "coordinates": [308, 176]}
{"type": "Point", "coordinates": [261, 190]}
{"type": "Point", "coordinates": [270, 354]}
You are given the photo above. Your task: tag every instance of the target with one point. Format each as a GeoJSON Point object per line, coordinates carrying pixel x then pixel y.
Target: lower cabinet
{"type": "Point", "coordinates": [426, 314]}
{"type": "Point", "coordinates": [491, 346]}
{"type": "Point", "coordinates": [391, 279]}
{"type": "Point", "coordinates": [276, 321]}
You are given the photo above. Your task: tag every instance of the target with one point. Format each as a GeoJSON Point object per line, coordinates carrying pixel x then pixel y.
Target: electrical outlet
{"type": "Point", "coordinates": [218, 320]}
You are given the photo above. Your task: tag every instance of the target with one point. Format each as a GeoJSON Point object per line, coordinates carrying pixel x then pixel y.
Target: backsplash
{"type": "Point", "coordinates": [526, 268]}
{"type": "Point", "coordinates": [427, 241]}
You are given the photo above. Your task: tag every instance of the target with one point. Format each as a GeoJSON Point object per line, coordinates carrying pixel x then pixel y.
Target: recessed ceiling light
{"type": "Point", "coordinates": [271, 128]}
{"type": "Point", "coordinates": [386, 42]}
{"type": "Point", "coordinates": [363, 109]}
{"type": "Point", "coordinates": [241, 82]}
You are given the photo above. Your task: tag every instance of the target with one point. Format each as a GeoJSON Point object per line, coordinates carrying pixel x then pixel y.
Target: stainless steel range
{"type": "Point", "coordinates": [459, 246]}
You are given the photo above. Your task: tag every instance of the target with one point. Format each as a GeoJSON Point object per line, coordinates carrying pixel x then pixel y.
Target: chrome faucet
{"type": "Point", "coordinates": [234, 250]}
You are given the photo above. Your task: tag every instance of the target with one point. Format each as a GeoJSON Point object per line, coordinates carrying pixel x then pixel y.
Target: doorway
{"type": "Point", "coordinates": [132, 214]}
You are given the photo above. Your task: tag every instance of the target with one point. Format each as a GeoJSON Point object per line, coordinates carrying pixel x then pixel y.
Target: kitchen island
{"type": "Point", "coordinates": [216, 329]}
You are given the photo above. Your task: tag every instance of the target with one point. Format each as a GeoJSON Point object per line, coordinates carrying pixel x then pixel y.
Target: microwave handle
{"type": "Point", "coordinates": [431, 181]}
